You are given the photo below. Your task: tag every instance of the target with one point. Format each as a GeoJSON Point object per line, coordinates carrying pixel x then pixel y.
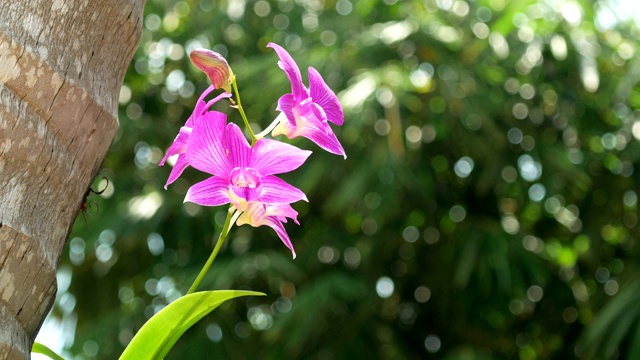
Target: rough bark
{"type": "Point", "coordinates": [62, 63]}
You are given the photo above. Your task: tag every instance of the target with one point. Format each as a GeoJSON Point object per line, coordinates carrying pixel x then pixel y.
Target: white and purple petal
{"type": "Point", "coordinates": [209, 103]}
{"type": "Point", "coordinates": [309, 113]}
{"type": "Point", "coordinates": [177, 148]}
{"type": "Point", "coordinates": [200, 107]}
{"type": "Point", "coordinates": [257, 214]}
{"type": "Point", "coordinates": [205, 150]}
{"type": "Point", "coordinates": [312, 125]}
{"type": "Point", "coordinates": [277, 191]}
{"type": "Point", "coordinates": [179, 144]}
{"type": "Point", "coordinates": [285, 128]}
{"type": "Point", "coordinates": [274, 157]}
{"type": "Point", "coordinates": [323, 137]}
{"type": "Point", "coordinates": [276, 225]}
{"type": "Point", "coordinates": [254, 213]}
{"type": "Point", "coordinates": [286, 104]}
{"type": "Point", "coordinates": [236, 146]}
{"type": "Point", "coordinates": [325, 97]}
{"type": "Point", "coordinates": [177, 170]}
{"type": "Point", "coordinates": [213, 191]}
{"type": "Point", "coordinates": [282, 212]}
{"type": "Point", "coordinates": [290, 67]}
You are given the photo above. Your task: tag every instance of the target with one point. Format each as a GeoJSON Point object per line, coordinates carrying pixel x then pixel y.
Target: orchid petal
{"type": "Point", "coordinates": [213, 191]}
{"type": "Point", "coordinates": [253, 215]}
{"type": "Point", "coordinates": [277, 191]}
{"type": "Point", "coordinates": [276, 225]}
{"type": "Point", "coordinates": [290, 67]}
{"type": "Point", "coordinates": [312, 126]}
{"type": "Point", "coordinates": [179, 144]}
{"type": "Point", "coordinates": [311, 114]}
{"type": "Point", "coordinates": [200, 107]}
{"type": "Point", "coordinates": [177, 148]}
{"type": "Point", "coordinates": [282, 212]}
{"type": "Point", "coordinates": [236, 146]}
{"type": "Point", "coordinates": [284, 127]}
{"type": "Point", "coordinates": [274, 157]}
{"type": "Point", "coordinates": [205, 150]}
{"type": "Point", "coordinates": [325, 97]}
{"type": "Point", "coordinates": [323, 137]}
{"type": "Point", "coordinates": [177, 170]}
{"type": "Point", "coordinates": [209, 103]}
{"type": "Point", "coordinates": [256, 216]}
{"type": "Point", "coordinates": [285, 105]}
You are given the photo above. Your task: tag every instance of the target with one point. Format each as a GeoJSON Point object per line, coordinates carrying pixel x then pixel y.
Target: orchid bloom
{"type": "Point", "coordinates": [258, 214]}
{"type": "Point", "coordinates": [242, 174]}
{"type": "Point", "coordinates": [214, 65]}
{"type": "Point", "coordinates": [308, 111]}
{"type": "Point", "coordinates": [180, 143]}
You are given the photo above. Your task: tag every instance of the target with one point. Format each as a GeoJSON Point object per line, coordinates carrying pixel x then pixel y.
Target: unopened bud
{"type": "Point", "coordinates": [214, 65]}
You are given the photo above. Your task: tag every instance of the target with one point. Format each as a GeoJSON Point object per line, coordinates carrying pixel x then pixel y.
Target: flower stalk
{"type": "Point", "coordinates": [239, 107]}
{"type": "Point", "coordinates": [221, 238]}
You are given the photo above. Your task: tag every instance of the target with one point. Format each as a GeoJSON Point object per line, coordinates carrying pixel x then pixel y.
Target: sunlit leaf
{"type": "Point", "coordinates": [39, 348]}
{"type": "Point", "coordinates": [157, 336]}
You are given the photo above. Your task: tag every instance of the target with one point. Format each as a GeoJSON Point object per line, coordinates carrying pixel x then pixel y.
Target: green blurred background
{"type": "Point", "coordinates": [487, 209]}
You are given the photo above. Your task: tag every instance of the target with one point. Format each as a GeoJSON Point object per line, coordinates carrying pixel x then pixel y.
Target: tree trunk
{"type": "Point", "coordinates": [62, 63]}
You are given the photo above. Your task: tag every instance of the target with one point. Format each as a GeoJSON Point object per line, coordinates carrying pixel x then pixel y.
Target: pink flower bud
{"type": "Point", "coordinates": [214, 65]}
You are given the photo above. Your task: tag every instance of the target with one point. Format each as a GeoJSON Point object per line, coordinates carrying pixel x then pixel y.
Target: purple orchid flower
{"type": "Point", "coordinates": [308, 111]}
{"type": "Point", "coordinates": [180, 143]}
{"type": "Point", "coordinates": [242, 174]}
{"type": "Point", "coordinates": [258, 214]}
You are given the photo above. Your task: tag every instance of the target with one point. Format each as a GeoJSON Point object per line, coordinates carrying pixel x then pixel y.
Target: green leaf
{"type": "Point", "coordinates": [613, 323]}
{"type": "Point", "coordinates": [634, 346]}
{"type": "Point", "coordinates": [158, 335]}
{"type": "Point", "coordinates": [44, 350]}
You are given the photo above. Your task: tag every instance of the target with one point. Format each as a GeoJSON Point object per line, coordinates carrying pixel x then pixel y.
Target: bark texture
{"type": "Point", "coordinates": [62, 63]}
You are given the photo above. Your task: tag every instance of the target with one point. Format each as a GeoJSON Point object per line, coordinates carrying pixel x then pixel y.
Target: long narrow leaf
{"type": "Point", "coordinates": [606, 332]}
{"type": "Point", "coordinates": [634, 346]}
{"type": "Point", "coordinates": [162, 331]}
{"type": "Point", "coordinates": [44, 350]}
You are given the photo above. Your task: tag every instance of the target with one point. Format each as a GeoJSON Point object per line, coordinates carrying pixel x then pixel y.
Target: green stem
{"type": "Point", "coordinates": [214, 253]}
{"type": "Point", "coordinates": [244, 116]}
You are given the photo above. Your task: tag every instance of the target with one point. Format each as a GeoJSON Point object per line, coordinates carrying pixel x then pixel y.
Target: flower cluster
{"type": "Point", "coordinates": [243, 174]}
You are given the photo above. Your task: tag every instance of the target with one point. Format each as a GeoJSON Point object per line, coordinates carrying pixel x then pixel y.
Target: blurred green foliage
{"type": "Point", "coordinates": [488, 207]}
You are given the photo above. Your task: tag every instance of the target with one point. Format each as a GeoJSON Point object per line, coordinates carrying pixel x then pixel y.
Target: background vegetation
{"type": "Point", "coordinates": [488, 207]}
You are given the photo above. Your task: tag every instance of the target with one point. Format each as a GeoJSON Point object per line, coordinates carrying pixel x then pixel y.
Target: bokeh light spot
{"type": "Point", "coordinates": [422, 294]}
{"type": "Point", "coordinates": [535, 293]}
{"type": "Point", "coordinates": [432, 343]}
{"type": "Point", "coordinates": [384, 287]}
{"type": "Point", "coordinates": [214, 332]}
{"type": "Point", "coordinates": [463, 166]}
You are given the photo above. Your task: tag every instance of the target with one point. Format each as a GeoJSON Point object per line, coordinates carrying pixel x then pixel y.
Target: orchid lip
{"type": "Point", "coordinates": [246, 178]}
